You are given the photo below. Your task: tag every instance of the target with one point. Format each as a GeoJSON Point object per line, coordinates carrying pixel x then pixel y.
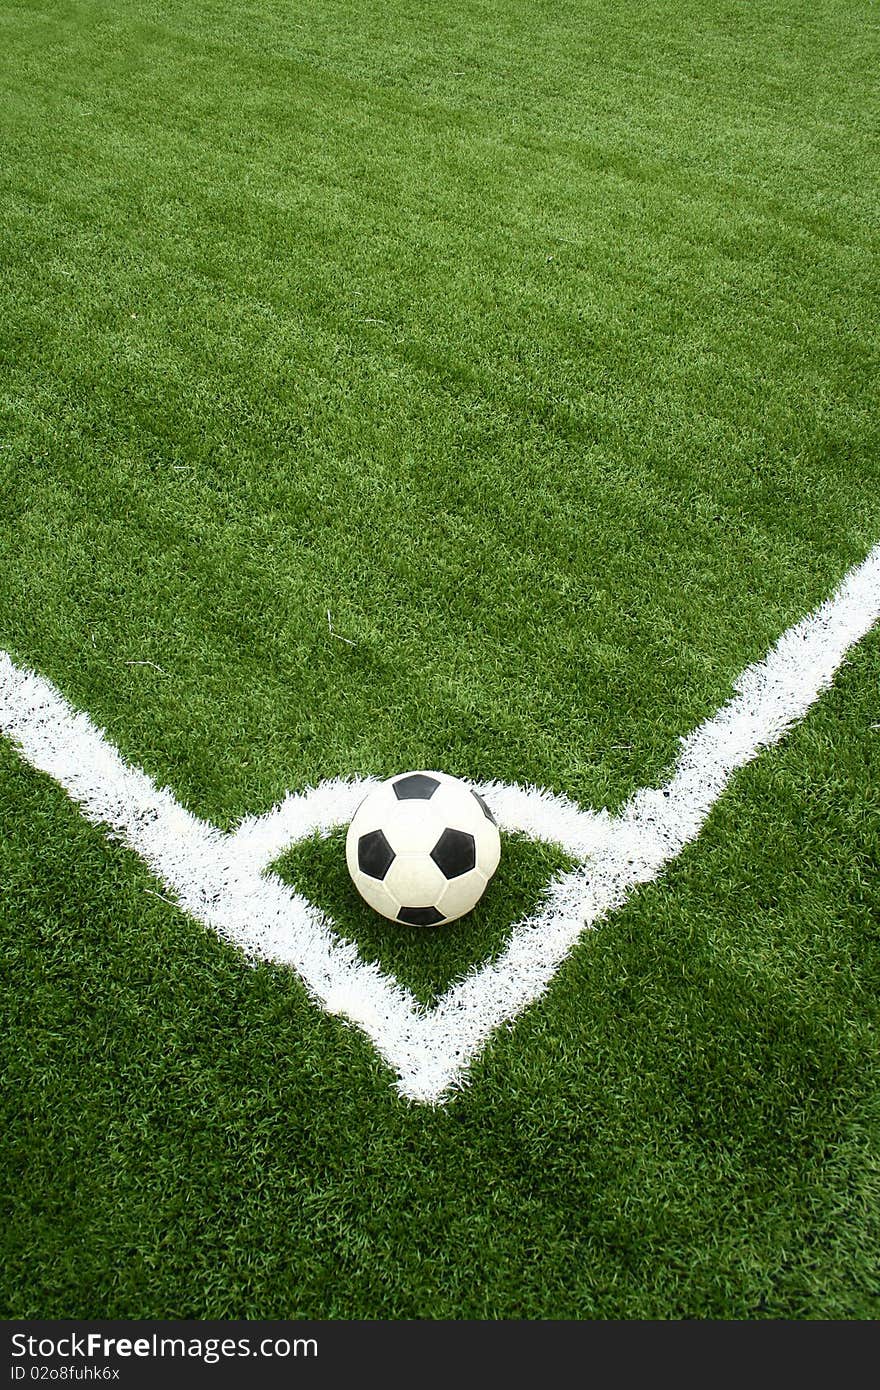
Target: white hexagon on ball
{"type": "Point", "coordinates": [422, 847]}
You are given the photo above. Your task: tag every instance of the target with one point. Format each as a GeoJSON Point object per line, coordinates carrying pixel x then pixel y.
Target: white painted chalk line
{"type": "Point", "coordinates": [222, 879]}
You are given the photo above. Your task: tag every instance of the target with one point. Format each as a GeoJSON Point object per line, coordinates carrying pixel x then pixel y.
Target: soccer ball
{"type": "Point", "coordinates": [422, 847]}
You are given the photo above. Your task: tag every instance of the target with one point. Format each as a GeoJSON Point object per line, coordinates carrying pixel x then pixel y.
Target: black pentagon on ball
{"type": "Point", "coordinates": [417, 786]}
{"type": "Point", "coordinates": [455, 853]}
{"type": "Point", "coordinates": [375, 855]}
{"type": "Point", "coordinates": [420, 916]}
{"type": "Point", "coordinates": [486, 812]}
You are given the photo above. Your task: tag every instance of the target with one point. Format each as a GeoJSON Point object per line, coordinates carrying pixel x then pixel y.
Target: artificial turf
{"type": "Point", "coordinates": [538, 345]}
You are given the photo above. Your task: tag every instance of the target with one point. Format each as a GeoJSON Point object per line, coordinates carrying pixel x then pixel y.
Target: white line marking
{"type": "Point", "coordinates": [338, 635]}
{"type": "Point", "coordinates": [222, 879]}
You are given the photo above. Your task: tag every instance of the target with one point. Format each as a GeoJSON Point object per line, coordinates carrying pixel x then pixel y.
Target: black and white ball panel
{"type": "Point", "coordinates": [374, 854]}
{"type": "Point", "coordinates": [374, 892]}
{"type": "Point", "coordinates": [484, 808]}
{"type": "Point", "coordinates": [420, 916]}
{"type": "Point", "coordinates": [415, 786]}
{"type": "Point", "coordinates": [421, 848]}
{"type": "Point", "coordinates": [455, 852]}
{"type": "Point", "coordinates": [414, 880]}
{"type": "Point", "coordinates": [461, 894]}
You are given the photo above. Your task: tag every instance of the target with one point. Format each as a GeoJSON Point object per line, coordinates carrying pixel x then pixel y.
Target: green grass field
{"type": "Point", "coordinates": [538, 344]}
